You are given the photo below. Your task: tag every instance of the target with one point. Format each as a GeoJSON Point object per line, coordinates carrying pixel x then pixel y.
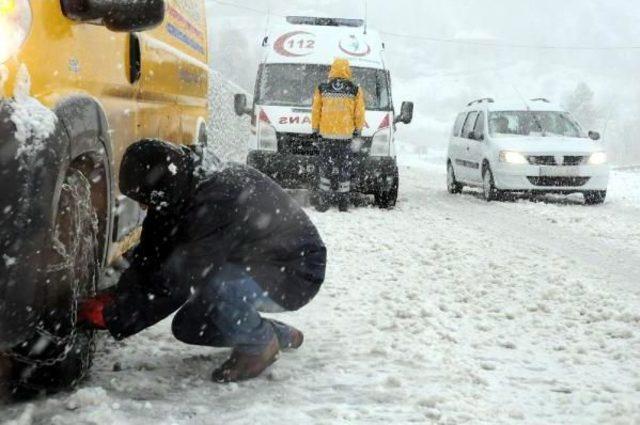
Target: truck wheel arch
{"type": "Point", "coordinates": [89, 150]}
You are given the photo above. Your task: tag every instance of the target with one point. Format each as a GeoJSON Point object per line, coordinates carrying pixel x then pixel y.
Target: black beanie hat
{"type": "Point", "coordinates": [156, 173]}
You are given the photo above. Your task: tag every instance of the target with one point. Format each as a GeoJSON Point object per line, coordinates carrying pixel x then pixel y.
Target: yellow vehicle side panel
{"type": "Point", "coordinates": [66, 59]}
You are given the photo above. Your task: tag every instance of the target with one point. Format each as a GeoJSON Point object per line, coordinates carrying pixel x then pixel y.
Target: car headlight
{"type": "Point", "coordinates": [15, 23]}
{"type": "Point", "coordinates": [598, 158]}
{"type": "Point", "coordinates": [381, 143]}
{"type": "Point", "coordinates": [513, 158]}
{"type": "Point", "coordinates": [267, 135]}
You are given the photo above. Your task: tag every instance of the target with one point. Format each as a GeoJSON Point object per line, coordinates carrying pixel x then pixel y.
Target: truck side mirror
{"type": "Point", "coordinates": [406, 113]}
{"type": "Point", "coordinates": [594, 135]}
{"type": "Point", "coordinates": [117, 15]}
{"type": "Point", "coordinates": [240, 105]}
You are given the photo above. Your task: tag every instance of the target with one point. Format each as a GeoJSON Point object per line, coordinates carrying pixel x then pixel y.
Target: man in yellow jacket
{"type": "Point", "coordinates": [338, 118]}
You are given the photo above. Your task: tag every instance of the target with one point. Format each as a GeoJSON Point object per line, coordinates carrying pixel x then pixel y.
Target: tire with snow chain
{"type": "Point", "coordinates": [388, 199]}
{"type": "Point", "coordinates": [60, 354]}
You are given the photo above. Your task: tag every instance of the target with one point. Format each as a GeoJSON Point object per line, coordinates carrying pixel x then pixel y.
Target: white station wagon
{"type": "Point", "coordinates": [530, 146]}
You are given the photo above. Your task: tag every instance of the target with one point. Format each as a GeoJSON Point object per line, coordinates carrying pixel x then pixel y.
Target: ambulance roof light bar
{"type": "Point", "coordinates": [325, 22]}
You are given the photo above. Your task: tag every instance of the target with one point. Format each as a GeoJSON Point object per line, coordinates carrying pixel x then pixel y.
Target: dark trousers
{"type": "Point", "coordinates": [335, 168]}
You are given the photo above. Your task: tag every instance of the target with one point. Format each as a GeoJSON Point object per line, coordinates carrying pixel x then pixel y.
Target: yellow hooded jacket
{"type": "Point", "coordinates": [338, 105]}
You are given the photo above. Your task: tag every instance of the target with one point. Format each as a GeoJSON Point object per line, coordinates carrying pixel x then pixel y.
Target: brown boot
{"type": "Point", "coordinates": [297, 338]}
{"type": "Point", "coordinates": [243, 366]}
{"type": "Point", "coordinates": [292, 340]}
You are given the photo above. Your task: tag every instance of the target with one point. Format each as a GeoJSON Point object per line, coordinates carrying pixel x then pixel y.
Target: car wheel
{"type": "Point", "coordinates": [595, 197]}
{"type": "Point", "coordinates": [489, 191]}
{"type": "Point", "coordinates": [453, 187]}
{"type": "Point", "coordinates": [61, 354]}
{"type": "Point", "coordinates": [388, 199]}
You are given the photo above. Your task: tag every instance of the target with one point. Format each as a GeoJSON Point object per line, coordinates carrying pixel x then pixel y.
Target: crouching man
{"type": "Point", "coordinates": [219, 248]}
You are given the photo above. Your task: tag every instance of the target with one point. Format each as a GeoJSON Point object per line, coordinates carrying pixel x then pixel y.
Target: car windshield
{"type": "Point", "coordinates": [295, 84]}
{"type": "Point", "coordinates": [533, 123]}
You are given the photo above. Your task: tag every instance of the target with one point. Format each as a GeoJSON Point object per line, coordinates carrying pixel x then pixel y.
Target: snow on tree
{"type": "Point", "coordinates": [581, 105]}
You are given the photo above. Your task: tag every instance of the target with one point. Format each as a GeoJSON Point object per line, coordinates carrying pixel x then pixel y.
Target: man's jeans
{"type": "Point", "coordinates": [225, 313]}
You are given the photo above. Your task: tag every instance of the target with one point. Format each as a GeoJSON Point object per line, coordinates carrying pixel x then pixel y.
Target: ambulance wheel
{"type": "Point", "coordinates": [60, 355]}
{"type": "Point", "coordinates": [595, 197]}
{"type": "Point", "coordinates": [388, 199]}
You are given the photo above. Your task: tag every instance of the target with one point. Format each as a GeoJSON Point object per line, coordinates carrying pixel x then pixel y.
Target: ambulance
{"type": "Point", "coordinates": [297, 56]}
{"type": "Point", "coordinates": [80, 81]}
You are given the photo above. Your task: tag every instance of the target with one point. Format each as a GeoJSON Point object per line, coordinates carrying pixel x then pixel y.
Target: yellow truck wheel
{"type": "Point", "coordinates": [60, 354]}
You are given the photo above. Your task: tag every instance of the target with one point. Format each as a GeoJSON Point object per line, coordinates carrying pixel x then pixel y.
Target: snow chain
{"type": "Point", "coordinates": [68, 261]}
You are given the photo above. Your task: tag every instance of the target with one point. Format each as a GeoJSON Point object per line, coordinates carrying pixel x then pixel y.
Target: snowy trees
{"type": "Point", "coordinates": [581, 105]}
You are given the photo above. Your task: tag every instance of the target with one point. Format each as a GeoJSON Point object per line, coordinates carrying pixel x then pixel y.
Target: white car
{"type": "Point", "coordinates": [530, 146]}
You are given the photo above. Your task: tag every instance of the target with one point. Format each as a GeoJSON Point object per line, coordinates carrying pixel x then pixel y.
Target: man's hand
{"type": "Point", "coordinates": [91, 311]}
{"type": "Point", "coordinates": [357, 134]}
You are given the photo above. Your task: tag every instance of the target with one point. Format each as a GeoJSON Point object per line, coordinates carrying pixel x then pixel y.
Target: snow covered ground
{"type": "Point", "coordinates": [446, 310]}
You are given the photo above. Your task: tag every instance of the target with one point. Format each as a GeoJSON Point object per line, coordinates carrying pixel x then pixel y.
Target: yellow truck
{"type": "Point", "coordinates": [80, 81]}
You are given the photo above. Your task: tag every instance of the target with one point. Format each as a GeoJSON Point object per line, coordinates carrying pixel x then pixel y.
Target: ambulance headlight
{"type": "Point", "coordinates": [381, 143]}
{"type": "Point", "coordinates": [15, 23]}
{"type": "Point", "coordinates": [267, 138]}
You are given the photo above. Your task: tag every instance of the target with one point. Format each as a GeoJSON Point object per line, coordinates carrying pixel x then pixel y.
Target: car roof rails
{"type": "Point", "coordinates": [541, 99]}
{"type": "Point", "coordinates": [484, 99]}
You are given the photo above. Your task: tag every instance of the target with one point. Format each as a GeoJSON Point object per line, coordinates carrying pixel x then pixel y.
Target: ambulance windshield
{"type": "Point", "coordinates": [295, 84]}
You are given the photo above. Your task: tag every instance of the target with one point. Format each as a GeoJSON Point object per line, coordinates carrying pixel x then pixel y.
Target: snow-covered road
{"type": "Point", "coordinates": [446, 310]}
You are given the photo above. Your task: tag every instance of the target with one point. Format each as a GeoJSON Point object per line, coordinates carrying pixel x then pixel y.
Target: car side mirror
{"type": "Point", "coordinates": [594, 135]}
{"type": "Point", "coordinates": [472, 135]}
{"type": "Point", "coordinates": [117, 15]}
{"type": "Point", "coordinates": [240, 105]}
{"type": "Point", "coordinates": [406, 113]}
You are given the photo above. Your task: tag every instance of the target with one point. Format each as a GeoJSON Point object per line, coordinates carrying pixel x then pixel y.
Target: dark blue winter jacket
{"type": "Point", "coordinates": [238, 216]}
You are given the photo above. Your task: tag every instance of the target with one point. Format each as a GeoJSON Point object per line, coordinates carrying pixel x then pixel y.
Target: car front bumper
{"type": "Point", "coordinates": [561, 179]}
{"type": "Point", "coordinates": [370, 174]}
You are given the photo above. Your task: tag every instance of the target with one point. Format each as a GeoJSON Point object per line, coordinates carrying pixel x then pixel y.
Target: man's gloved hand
{"type": "Point", "coordinates": [91, 311]}
{"type": "Point", "coordinates": [357, 134]}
